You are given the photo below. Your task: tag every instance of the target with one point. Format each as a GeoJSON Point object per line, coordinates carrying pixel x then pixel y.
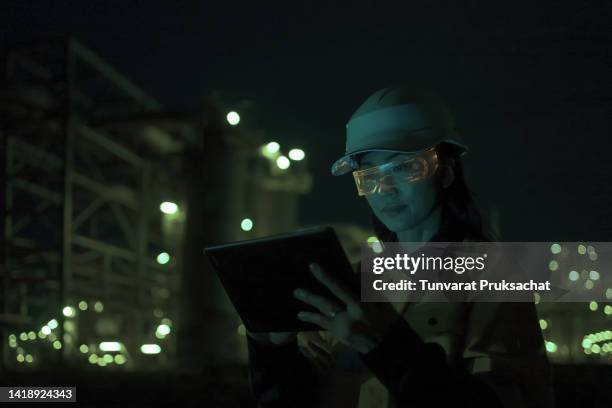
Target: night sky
{"type": "Point", "coordinates": [529, 85]}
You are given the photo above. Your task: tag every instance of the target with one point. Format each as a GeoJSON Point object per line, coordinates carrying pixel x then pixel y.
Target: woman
{"type": "Point", "coordinates": [404, 153]}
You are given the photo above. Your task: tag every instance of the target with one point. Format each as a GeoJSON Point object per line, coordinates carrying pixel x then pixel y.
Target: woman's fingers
{"type": "Point", "coordinates": [316, 318]}
{"type": "Point", "coordinates": [324, 305]}
{"type": "Point", "coordinates": [336, 288]}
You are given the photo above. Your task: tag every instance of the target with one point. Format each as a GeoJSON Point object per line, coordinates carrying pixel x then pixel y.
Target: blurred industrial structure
{"type": "Point", "coordinates": [83, 178]}
{"type": "Point", "coordinates": [108, 201]}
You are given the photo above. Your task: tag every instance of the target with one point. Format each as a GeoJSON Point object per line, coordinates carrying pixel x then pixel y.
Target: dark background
{"type": "Point", "coordinates": [528, 82]}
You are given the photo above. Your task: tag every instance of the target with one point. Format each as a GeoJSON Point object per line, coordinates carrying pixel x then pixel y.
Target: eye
{"type": "Point", "coordinates": [410, 167]}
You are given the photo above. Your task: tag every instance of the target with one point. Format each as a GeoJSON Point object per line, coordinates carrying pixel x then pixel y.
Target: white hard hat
{"type": "Point", "coordinates": [396, 119]}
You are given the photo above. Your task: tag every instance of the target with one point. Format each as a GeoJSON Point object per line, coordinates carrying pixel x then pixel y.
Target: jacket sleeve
{"type": "Point", "coordinates": [281, 376]}
{"type": "Point", "coordinates": [504, 362]}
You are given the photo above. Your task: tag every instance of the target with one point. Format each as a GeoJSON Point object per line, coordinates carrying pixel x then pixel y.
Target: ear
{"type": "Point", "coordinates": [448, 174]}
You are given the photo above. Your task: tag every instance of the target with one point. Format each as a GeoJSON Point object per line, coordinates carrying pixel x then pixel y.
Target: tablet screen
{"type": "Point", "coordinates": [260, 276]}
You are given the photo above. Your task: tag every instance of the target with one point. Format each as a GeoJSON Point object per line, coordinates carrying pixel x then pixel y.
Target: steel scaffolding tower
{"type": "Point", "coordinates": [82, 182]}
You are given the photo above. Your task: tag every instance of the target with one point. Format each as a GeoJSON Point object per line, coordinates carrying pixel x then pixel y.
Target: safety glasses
{"type": "Point", "coordinates": [387, 176]}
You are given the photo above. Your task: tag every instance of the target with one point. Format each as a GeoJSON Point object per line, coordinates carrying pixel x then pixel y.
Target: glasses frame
{"type": "Point", "coordinates": [429, 157]}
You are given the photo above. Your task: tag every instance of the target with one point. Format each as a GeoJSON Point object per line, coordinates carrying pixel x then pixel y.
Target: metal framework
{"type": "Point", "coordinates": [80, 216]}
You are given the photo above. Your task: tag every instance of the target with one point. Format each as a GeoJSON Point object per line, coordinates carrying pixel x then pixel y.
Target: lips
{"type": "Point", "coordinates": [393, 208]}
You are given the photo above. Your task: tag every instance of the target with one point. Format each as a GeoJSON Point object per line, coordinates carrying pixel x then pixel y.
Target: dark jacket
{"type": "Point", "coordinates": [421, 373]}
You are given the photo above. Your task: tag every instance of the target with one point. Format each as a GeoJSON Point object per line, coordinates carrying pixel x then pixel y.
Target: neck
{"type": "Point", "coordinates": [425, 230]}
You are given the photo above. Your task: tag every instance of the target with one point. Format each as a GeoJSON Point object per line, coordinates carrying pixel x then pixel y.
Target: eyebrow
{"type": "Point", "coordinates": [366, 162]}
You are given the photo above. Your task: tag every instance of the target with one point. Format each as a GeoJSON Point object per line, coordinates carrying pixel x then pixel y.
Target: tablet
{"type": "Point", "coordinates": [260, 275]}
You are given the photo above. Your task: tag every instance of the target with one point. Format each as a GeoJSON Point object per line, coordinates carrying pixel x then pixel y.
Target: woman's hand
{"type": "Point", "coordinates": [317, 347]}
{"type": "Point", "coordinates": [358, 325]}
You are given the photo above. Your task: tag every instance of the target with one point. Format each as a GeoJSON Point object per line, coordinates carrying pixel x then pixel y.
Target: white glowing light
{"type": "Point", "coordinates": [68, 311]}
{"type": "Point", "coordinates": [283, 162]}
{"type": "Point", "coordinates": [246, 224]}
{"type": "Point", "coordinates": [150, 349]}
{"type": "Point", "coordinates": [110, 346]}
{"type": "Point", "coordinates": [296, 154]}
{"type": "Point", "coordinates": [168, 207]}
{"type": "Point", "coordinates": [163, 258]}
{"type": "Point", "coordinates": [272, 147]}
{"type": "Point", "coordinates": [233, 118]}
{"type": "Point", "coordinates": [163, 329]}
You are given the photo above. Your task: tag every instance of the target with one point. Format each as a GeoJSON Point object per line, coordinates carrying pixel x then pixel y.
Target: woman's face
{"type": "Point", "coordinates": [405, 204]}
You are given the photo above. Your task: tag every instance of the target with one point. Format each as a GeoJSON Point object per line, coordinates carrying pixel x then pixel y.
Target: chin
{"type": "Point", "coordinates": [396, 225]}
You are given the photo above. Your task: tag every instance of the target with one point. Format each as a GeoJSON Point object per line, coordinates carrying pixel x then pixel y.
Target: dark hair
{"type": "Point", "coordinates": [457, 201]}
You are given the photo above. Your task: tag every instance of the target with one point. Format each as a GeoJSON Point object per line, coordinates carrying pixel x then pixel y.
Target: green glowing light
{"type": "Point", "coordinates": [120, 359]}
{"type": "Point", "coordinates": [98, 307]}
{"type": "Point", "coordinates": [31, 335]}
{"type": "Point", "coordinates": [593, 305]}
{"type": "Point", "coordinates": [608, 310]}
{"type": "Point", "coordinates": [83, 305]}
{"type": "Point", "coordinates": [551, 347]}
{"type": "Point", "coordinates": [108, 359]}
{"type": "Point", "coordinates": [23, 336]}
{"type": "Point", "coordinates": [574, 276]}
{"type": "Point", "coordinates": [555, 248]}
{"type": "Point", "coordinates": [29, 358]}
{"type": "Point", "coordinates": [553, 265]}
{"type": "Point", "coordinates": [543, 324]}
{"type": "Point", "coordinates": [581, 249]}
{"type": "Point", "coordinates": [57, 345]}
{"type": "Point", "coordinates": [589, 284]}
{"type": "Point", "coordinates": [594, 275]}
{"type": "Point", "coordinates": [163, 258]}
{"type": "Point", "coordinates": [93, 359]}
{"type": "Point", "coordinates": [69, 326]}
{"type": "Point", "coordinates": [52, 324]}
{"type": "Point", "coordinates": [84, 349]}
